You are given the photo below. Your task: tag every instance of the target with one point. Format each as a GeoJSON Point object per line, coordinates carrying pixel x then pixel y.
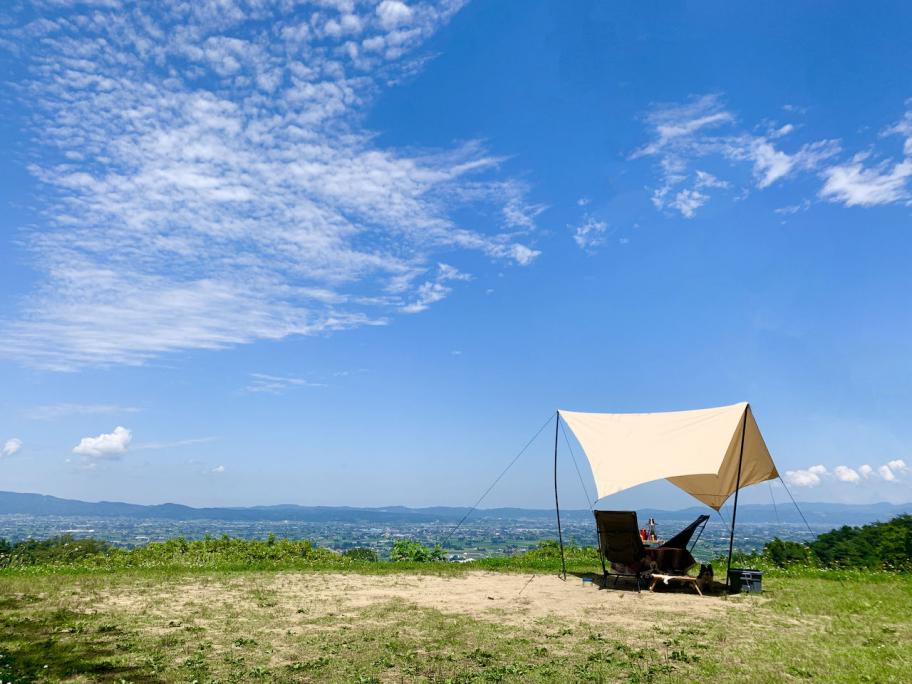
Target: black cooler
{"type": "Point", "coordinates": [742, 579]}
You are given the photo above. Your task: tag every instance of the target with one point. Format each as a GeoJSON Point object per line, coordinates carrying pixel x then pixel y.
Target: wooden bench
{"type": "Point", "coordinates": [685, 579]}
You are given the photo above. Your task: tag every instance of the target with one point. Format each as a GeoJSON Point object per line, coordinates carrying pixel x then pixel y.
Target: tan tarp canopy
{"type": "Point", "coordinates": [697, 451]}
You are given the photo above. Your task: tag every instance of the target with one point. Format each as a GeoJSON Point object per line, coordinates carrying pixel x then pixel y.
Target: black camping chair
{"type": "Point", "coordinates": [620, 546]}
{"type": "Point", "coordinates": [682, 538]}
{"type": "Point", "coordinates": [673, 557]}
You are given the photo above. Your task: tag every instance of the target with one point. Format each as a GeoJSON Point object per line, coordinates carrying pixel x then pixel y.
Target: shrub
{"type": "Point", "coordinates": [415, 552]}
{"type": "Point", "coordinates": [784, 553]}
{"type": "Point", "coordinates": [361, 553]}
{"type": "Point", "coordinates": [880, 545]}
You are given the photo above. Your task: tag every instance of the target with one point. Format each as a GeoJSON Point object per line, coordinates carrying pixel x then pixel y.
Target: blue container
{"type": "Point", "coordinates": [743, 579]}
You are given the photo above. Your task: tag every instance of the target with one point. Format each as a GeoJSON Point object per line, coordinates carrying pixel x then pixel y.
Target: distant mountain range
{"type": "Point", "coordinates": [833, 514]}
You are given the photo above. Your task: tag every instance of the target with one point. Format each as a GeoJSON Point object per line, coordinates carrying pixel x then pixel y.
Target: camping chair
{"type": "Point", "coordinates": [682, 538]}
{"type": "Point", "coordinates": [673, 557]}
{"type": "Point", "coordinates": [621, 546]}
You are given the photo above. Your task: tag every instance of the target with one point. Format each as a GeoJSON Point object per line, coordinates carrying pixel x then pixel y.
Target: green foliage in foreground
{"type": "Point", "coordinates": [879, 546]}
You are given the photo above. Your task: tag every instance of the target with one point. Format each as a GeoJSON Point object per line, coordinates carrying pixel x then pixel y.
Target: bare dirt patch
{"type": "Point", "coordinates": [504, 598]}
{"type": "Point", "coordinates": [510, 599]}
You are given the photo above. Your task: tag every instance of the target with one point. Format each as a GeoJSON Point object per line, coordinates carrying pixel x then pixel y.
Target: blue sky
{"type": "Point", "coordinates": [357, 252]}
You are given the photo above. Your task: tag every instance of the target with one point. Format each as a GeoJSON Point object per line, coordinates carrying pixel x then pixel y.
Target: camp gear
{"type": "Point", "coordinates": [743, 579]}
{"type": "Point", "coordinates": [709, 453]}
{"type": "Point", "coordinates": [682, 538]}
{"type": "Point", "coordinates": [620, 545]}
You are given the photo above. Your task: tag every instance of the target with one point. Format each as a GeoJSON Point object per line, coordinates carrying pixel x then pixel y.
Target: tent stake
{"type": "Point", "coordinates": [560, 536]}
{"type": "Point", "coordinates": [731, 539]}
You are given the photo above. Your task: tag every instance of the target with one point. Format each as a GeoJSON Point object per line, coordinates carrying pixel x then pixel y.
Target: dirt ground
{"type": "Point", "coordinates": [513, 599]}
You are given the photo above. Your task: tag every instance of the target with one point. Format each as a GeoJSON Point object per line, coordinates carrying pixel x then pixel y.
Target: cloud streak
{"type": "Point", "coordinates": [208, 182]}
{"type": "Point", "coordinates": [263, 383]}
{"type": "Point", "coordinates": [703, 131]}
{"type": "Point", "coordinates": [55, 411]}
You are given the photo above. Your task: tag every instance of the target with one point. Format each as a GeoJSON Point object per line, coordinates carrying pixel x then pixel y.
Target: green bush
{"type": "Point", "coordinates": [785, 553]}
{"type": "Point", "coordinates": [56, 550]}
{"type": "Point", "coordinates": [549, 549]}
{"type": "Point", "coordinates": [415, 552]}
{"type": "Point", "coordinates": [878, 546]}
{"type": "Point", "coordinates": [361, 553]}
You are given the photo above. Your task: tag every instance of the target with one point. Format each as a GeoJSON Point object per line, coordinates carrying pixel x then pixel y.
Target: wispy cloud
{"type": "Point", "coordinates": [702, 130]}
{"type": "Point", "coordinates": [208, 182]}
{"type": "Point", "coordinates": [589, 234]}
{"type": "Point", "coordinates": [263, 383]}
{"type": "Point", "coordinates": [173, 445]}
{"type": "Point", "coordinates": [54, 411]}
{"type": "Point", "coordinates": [432, 291]}
{"type": "Point", "coordinates": [11, 447]}
{"type": "Point", "coordinates": [854, 184]}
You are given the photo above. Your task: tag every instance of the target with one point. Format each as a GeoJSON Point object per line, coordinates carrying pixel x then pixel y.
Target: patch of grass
{"type": "Point", "coordinates": [150, 627]}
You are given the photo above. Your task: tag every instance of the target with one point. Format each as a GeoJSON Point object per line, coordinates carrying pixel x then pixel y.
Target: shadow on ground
{"type": "Point", "coordinates": [59, 644]}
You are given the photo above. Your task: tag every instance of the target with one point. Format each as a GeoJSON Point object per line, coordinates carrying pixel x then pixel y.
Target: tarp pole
{"type": "Point", "coordinates": [731, 539]}
{"type": "Point", "coordinates": [560, 536]}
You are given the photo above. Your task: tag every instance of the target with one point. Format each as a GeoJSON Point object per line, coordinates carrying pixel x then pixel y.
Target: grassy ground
{"type": "Point", "coordinates": [229, 626]}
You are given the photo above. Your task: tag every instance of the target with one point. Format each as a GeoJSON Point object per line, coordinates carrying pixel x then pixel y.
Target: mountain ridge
{"type": "Point", "coordinates": [23, 503]}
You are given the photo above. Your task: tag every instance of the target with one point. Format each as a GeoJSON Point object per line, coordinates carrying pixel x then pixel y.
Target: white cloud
{"type": "Point", "coordinates": [853, 184]}
{"type": "Point", "coordinates": [54, 411]}
{"type": "Point", "coordinates": [218, 470]}
{"type": "Point", "coordinates": [818, 474]}
{"type": "Point", "coordinates": [903, 128]}
{"type": "Point", "coordinates": [886, 473]}
{"type": "Point", "coordinates": [112, 445]}
{"type": "Point", "coordinates": [702, 129]}
{"type": "Point", "coordinates": [679, 122]}
{"type": "Point", "coordinates": [707, 180]}
{"type": "Point", "coordinates": [263, 383]}
{"type": "Point", "coordinates": [175, 444]}
{"type": "Point", "coordinates": [898, 465]}
{"type": "Point", "coordinates": [392, 13]}
{"type": "Point", "coordinates": [846, 474]}
{"type": "Point", "coordinates": [11, 447]}
{"type": "Point", "coordinates": [590, 234]}
{"type": "Point", "coordinates": [806, 478]}
{"type": "Point", "coordinates": [771, 164]}
{"type": "Point", "coordinates": [217, 186]}
{"type": "Point", "coordinates": [523, 255]}
{"type": "Point", "coordinates": [856, 184]}
{"type": "Point", "coordinates": [433, 291]}
{"type": "Point", "coordinates": [793, 208]}
{"type": "Point", "coordinates": [688, 201]}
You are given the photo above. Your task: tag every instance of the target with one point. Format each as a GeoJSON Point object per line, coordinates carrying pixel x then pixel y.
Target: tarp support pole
{"type": "Point", "coordinates": [560, 536]}
{"type": "Point", "coordinates": [731, 539]}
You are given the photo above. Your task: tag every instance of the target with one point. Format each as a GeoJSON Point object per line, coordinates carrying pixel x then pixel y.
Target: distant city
{"type": "Point", "coordinates": [484, 532]}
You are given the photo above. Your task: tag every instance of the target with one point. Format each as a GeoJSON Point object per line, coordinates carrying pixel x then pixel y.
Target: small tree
{"type": "Point", "coordinates": [784, 553]}
{"type": "Point", "coordinates": [361, 553]}
{"type": "Point", "coordinates": [415, 552]}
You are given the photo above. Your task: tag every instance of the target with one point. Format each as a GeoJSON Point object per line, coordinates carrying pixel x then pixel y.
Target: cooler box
{"type": "Point", "coordinates": [742, 579]}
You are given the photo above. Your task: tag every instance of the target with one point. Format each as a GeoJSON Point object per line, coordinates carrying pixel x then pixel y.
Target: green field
{"type": "Point", "coordinates": [394, 622]}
